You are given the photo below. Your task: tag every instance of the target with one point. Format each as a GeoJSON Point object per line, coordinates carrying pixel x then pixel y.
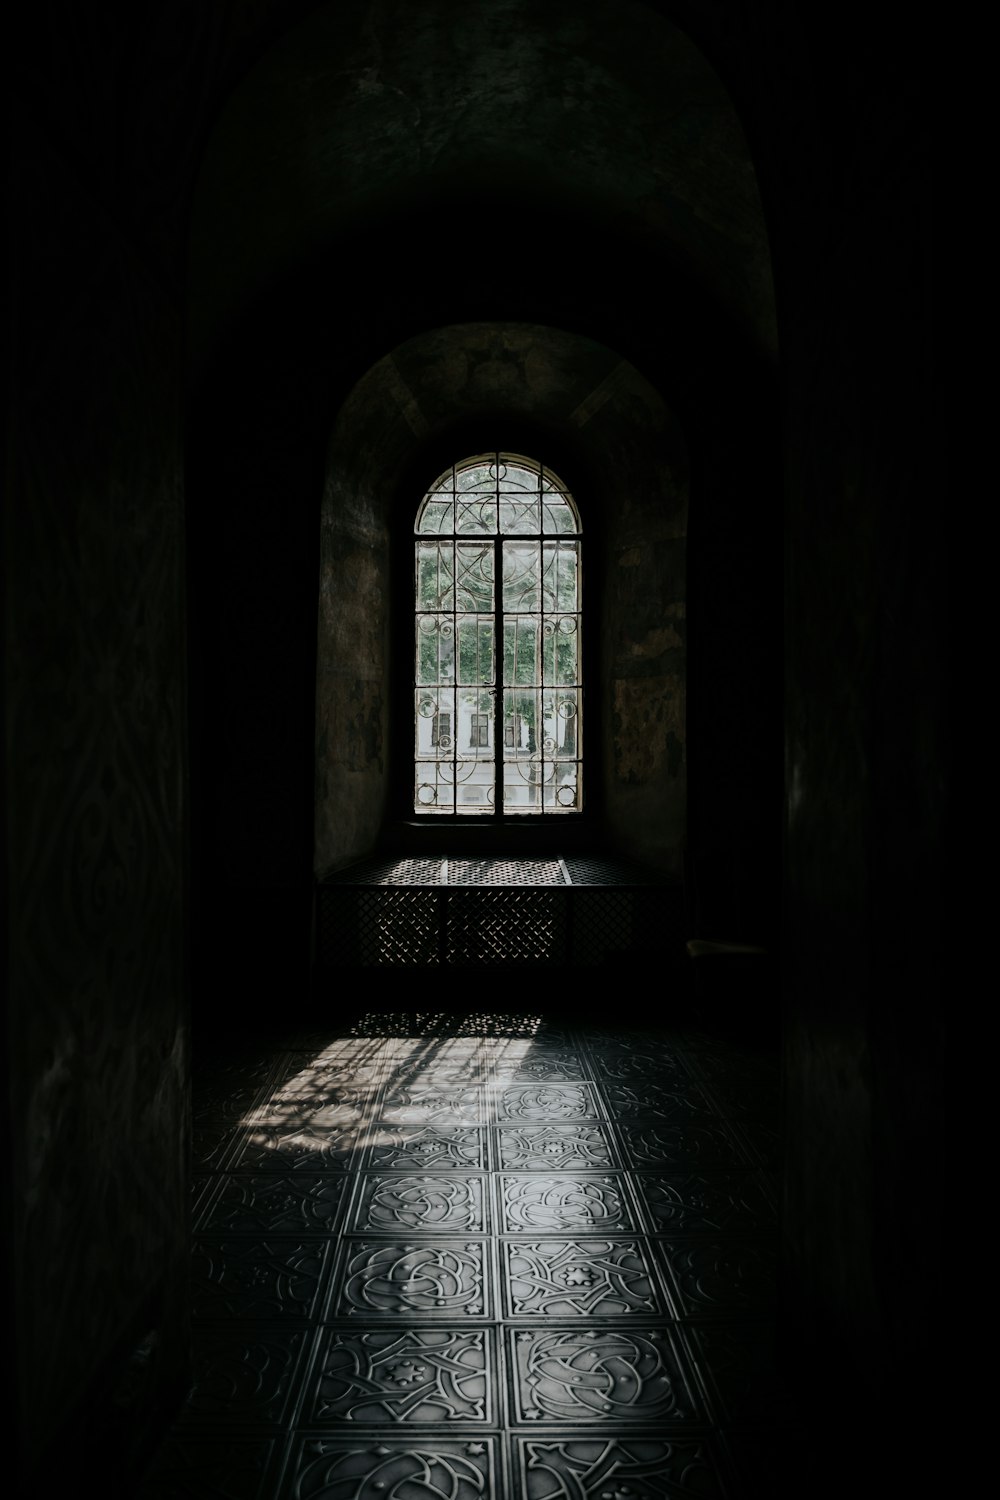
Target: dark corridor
{"type": "Point", "coordinates": [273, 266]}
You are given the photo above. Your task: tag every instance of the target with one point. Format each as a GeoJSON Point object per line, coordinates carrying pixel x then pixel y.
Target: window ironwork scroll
{"type": "Point", "coordinates": [498, 637]}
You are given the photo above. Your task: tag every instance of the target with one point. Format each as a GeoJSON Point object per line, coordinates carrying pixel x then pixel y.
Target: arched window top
{"type": "Point", "coordinates": [498, 688]}
{"type": "Point", "coordinates": [498, 494]}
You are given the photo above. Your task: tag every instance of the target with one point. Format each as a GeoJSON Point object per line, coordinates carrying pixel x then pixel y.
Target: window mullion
{"type": "Point", "coordinates": [498, 673]}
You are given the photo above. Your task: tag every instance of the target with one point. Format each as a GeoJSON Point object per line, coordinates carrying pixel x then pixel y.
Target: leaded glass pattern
{"type": "Point", "coordinates": [498, 690]}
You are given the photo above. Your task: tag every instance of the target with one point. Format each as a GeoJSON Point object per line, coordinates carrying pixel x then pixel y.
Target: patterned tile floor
{"type": "Point", "coordinates": [438, 1258]}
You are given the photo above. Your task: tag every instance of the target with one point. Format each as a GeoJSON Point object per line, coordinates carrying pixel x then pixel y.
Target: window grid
{"type": "Point", "coordinates": [498, 595]}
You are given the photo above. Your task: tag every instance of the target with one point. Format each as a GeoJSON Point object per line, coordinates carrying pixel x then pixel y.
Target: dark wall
{"type": "Point", "coordinates": [96, 757]}
{"type": "Point", "coordinates": [110, 129]}
{"type": "Point", "coordinates": [866, 736]}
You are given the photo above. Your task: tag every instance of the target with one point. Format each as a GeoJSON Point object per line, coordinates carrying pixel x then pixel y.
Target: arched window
{"type": "Point", "coordinates": [498, 692]}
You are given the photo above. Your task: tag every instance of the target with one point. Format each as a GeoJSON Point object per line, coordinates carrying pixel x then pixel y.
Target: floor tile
{"type": "Point", "coordinates": [590, 1467]}
{"type": "Point", "coordinates": [672, 1101]}
{"type": "Point", "coordinates": [606, 1377]}
{"type": "Point", "coordinates": [245, 1376]}
{"type": "Point", "coordinates": [577, 1204]}
{"type": "Point", "coordinates": [285, 1203]}
{"type": "Point", "coordinates": [486, 1257]}
{"type": "Point", "coordinates": [579, 1279]}
{"type": "Point", "coordinates": [542, 1148]}
{"type": "Point", "coordinates": [549, 1102]}
{"type": "Point", "coordinates": [541, 1065]}
{"type": "Point", "coordinates": [657, 1143]}
{"type": "Point", "coordinates": [257, 1279]}
{"type": "Point", "coordinates": [720, 1276]}
{"type": "Point", "coordinates": [426, 1147]}
{"type": "Point", "coordinates": [303, 1147]}
{"type": "Point", "coordinates": [414, 1377]}
{"type": "Point", "coordinates": [321, 1468]}
{"type": "Point", "coordinates": [401, 1279]}
{"type": "Point", "coordinates": [426, 1102]}
{"type": "Point", "coordinates": [398, 1202]}
{"type": "Point", "coordinates": [706, 1202]}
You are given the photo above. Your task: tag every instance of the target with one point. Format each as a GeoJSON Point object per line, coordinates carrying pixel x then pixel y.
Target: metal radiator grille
{"type": "Point", "coordinates": [491, 913]}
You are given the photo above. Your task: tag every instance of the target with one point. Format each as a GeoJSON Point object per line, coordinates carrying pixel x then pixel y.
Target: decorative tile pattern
{"type": "Point", "coordinates": [256, 1279]}
{"type": "Point", "coordinates": [297, 1148]}
{"type": "Point", "coordinates": [294, 1111]}
{"type": "Point", "coordinates": [463, 1069]}
{"type": "Point", "coordinates": [400, 1280]}
{"type": "Point", "coordinates": [347, 1289]}
{"type": "Point", "coordinates": [244, 1377]}
{"type": "Point", "coordinates": [657, 1144]}
{"type": "Point", "coordinates": [259, 1204]}
{"type": "Point", "coordinates": [578, 1278]}
{"type": "Point", "coordinates": [420, 1375]}
{"type": "Point", "coordinates": [424, 1103]}
{"type": "Point", "coordinates": [665, 1101]}
{"type": "Point", "coordinates": [591, 1468]}
{"type": "Point", "coordinates": [549, 1103]}
{"type": "Point", "coordinates": [612, 1376]}
{"type": "Point", "coordinates": [329, 1076]}
{"type": "Point", "coordinates": [722, 1277]}
{"type": "Point", "coordinates": [622, 1066]}
{"type": "Point", "coordinates": [426, 1148]}
{"type": "Point", "coordinates": [211, 1143]}
{"type": "Point", "coordinates": [435, 1469]}
{"type": "Point", "coordinates": [541, 1148]}
{"type": "Point", "coordinates": [394, 1203]}
{"type": "Point", "coordinates": [705, 1201]}
{"type": "Point", "coordinates": [573, 1205]}
{"type": "Point", "coordinates": [540, 1065]}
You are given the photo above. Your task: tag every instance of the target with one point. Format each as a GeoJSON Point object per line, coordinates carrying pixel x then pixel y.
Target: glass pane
{"type": "Point", "coordinates": [435, 723]}
{"type": "Point", "coordinates": [435, 649]}
{"type": "Point", "coordinates": [475, 500]}
{"type": "Point", "coordinates": [562, 792]}
{"type": "Point", "coordinates": [523, 784]}
{"type": "Point", "coordinates": [521, 646]}
{"type": "Point", "coordinates": [557, 514]}
{"type": "Point", "coordinates": [519, 514]}
{"type": "Point", "coordinates": [434, 789]}
{"type": "Point", "coordinates": [474, 789]}
{"type": "Point", "coordinates": [519, 497]}
{"type": "Point", "coordinates": [474, 590]}
{"type": "Point", "coordinates": [475, 479]}
{"type": "Point", "coordinates": [435, 575]}
{"type": "Point", "coordinates": [475, 725]}
{"type": "Point", "coordinates": [560, 576]}
{"type": "Point", "coordinates": [438, 514]}
{"type": "Point", "coordinates": [563, 722]}
{"type": "Point", "coordinates": [560, 650]}
{"type": "Point", "coordinates": [475, 649]}
{"type": "Point", "coordinates": [521, 577]}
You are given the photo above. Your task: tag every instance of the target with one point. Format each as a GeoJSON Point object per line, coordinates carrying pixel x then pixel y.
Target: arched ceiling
{"type": "Point", "coordinates": [487, 111]}
{"type": "Point", "coordinates": [466, 376]}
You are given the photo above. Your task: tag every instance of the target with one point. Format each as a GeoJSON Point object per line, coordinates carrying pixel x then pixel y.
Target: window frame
{"type": "Point", "coordinates": [498, 816]}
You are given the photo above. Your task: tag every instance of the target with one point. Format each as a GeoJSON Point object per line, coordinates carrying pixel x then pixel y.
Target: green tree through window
{"type": "Point", "coordinates": [498, 589]}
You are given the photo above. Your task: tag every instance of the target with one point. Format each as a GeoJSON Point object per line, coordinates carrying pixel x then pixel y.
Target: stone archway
{"type": "Point", "coordinates": [618, 435]}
